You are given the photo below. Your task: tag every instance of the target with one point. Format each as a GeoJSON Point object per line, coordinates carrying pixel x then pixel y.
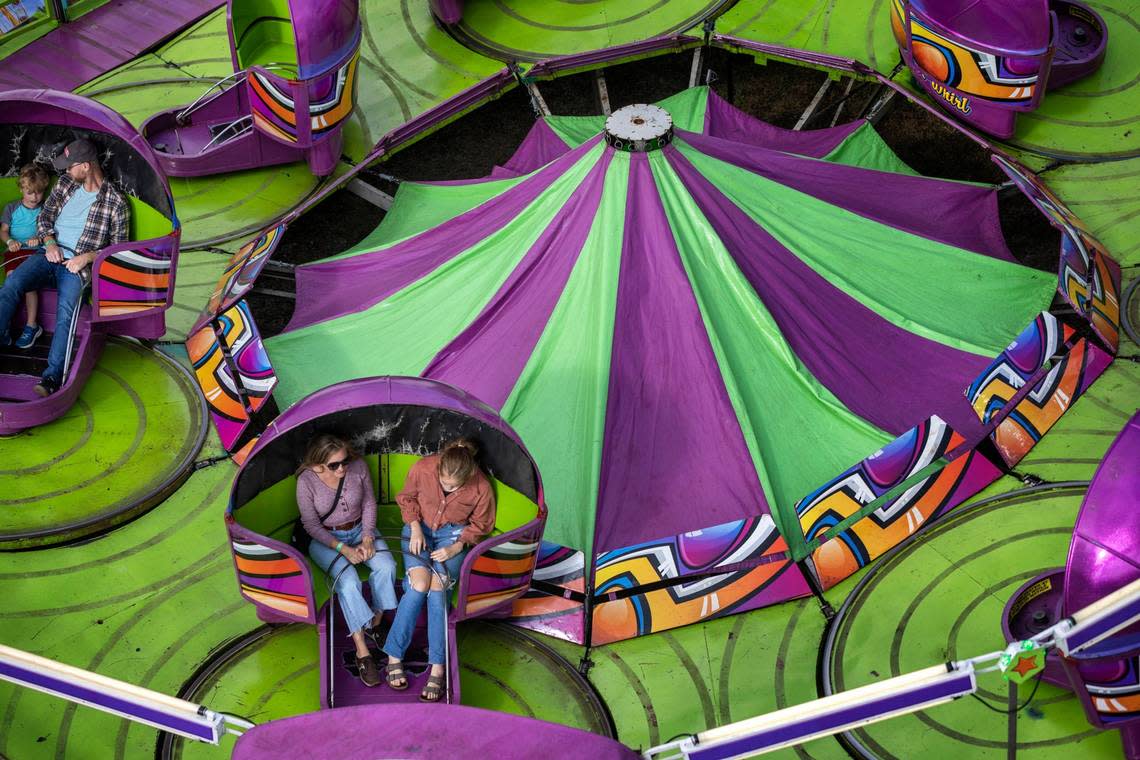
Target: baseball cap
{"type": "Point", "coordinates": [76, 152]}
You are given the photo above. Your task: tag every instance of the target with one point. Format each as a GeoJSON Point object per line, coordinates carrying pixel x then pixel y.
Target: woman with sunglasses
{"type": "Point", "coordinates": [447, 506]}
{"type": "Point", "coordinates": [338, 510]}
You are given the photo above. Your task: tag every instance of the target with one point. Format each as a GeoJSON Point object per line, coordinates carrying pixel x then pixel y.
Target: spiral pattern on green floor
{"type": "Point", "coordinates": [688, 679]}
{"type": "Point", "coordinates": [128, 442]}
{"type": "Point", "coordinates": [940, 598]}
{"type": "Point", "coordinates": [1095, 118]}
{"type": "Point", "coordinates": [275, 673]}
{"type": "Point", "coordinates": [530, 30]}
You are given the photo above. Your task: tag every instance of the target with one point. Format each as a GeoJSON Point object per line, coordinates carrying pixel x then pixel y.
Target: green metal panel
{"type": "Point", "coordinates": [263, 31]}
{"type": "Point", "coordinates": [529, 30]}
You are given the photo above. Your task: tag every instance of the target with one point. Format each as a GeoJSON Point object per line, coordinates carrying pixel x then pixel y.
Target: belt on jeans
{"type": "Point", "coordinates": [345, 526]}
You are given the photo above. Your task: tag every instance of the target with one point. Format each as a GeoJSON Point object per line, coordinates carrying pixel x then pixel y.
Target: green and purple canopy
{"type": "Point", "coordinates": [686, 337]}
{"type": "Point", "coordinates": [693, 340]}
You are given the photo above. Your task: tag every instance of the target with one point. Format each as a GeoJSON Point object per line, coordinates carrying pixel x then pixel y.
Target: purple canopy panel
{"type": "Point", "coordinates": [345, 286]}
{"type": "Point", "coordinates": [540, 147]}
{"type": "Point", "coordinates": [859, 356]}
{"type": "Point", "coordinates": [672, 439]}
{"type": "Point", "coordinates": [921, 206]}
{"type": "Point", "coordinates": [488, 356]}
{"type": "Point", "coordinates": [1105, 551]}
{"type": "Point", "coordinates": [1013, 26]}
{"type": "Point", "coordinates": [448, 11]}
{"type": "Point", "coordinates": [419, 731]}
{"type": "Point", "coordinates": [96, 42]}
{"type": "Point", "coordinates": [726, 121]}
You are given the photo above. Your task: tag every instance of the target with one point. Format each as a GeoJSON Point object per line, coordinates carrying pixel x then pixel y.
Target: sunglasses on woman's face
{"type": "Point", "coordinates": [337, 464]}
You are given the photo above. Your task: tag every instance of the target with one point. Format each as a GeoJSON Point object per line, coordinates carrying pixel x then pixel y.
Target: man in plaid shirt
{"type": "Point", "coordinates": [83, 214]}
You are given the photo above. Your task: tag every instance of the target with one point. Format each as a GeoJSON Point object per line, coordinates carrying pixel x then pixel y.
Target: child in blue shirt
{"type": "Point", "coordinates": [18, 231]}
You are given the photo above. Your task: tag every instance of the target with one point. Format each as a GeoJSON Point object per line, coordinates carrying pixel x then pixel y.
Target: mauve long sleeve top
{"type": "Point", "coordinates": [357, 501]}
{"type": "Point", "coordinates": [422, 498]}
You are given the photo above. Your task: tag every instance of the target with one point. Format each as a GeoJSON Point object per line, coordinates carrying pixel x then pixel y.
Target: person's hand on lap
{"type": "Point", "coordinates": [447, 552]}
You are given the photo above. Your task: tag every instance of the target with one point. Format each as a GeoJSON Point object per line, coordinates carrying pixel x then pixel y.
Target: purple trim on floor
{"type": "Point", "coordinates": [423, 731]}
{"type": "Point", "coordinates": [95, 43]}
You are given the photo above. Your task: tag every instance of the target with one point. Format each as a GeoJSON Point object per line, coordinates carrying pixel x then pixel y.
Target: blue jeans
{"type": "Point", "coordinates": [400, 635]}
{"type": "Point", "coordinates": [381, 577]}
{"type": "Point", "coordinates": [35, 273]}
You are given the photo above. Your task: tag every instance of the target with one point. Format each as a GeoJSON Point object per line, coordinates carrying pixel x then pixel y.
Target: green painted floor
{"type": "Point", "coordinates": [942, 598]}
{"type": "Point", "coordinates": [530, 30]}
{"type": "Point", "coordinates": [131, 438]}
{"type": "Point", "coordinates": [154, 599]}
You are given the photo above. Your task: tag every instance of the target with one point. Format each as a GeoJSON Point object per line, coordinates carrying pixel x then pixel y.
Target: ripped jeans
{"type": "Point", "coordinates": [400, 635]}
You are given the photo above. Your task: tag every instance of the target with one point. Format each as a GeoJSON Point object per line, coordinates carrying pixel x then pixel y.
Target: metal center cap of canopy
{"type": "Point", "coordinates": [639, 128]}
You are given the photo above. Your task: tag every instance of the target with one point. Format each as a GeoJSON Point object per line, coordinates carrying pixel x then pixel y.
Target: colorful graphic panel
{"type": "Point", "coordinates": [1088, 278]}
{"type": "Point", "coordinates": [887, 497]}
{"type": "Point", "coordinates": [541, 608]}
{"type": "Point", "coordinates": [241, 272]}
{"type": "Point", "coordinates": [232, 370]}
{"type": "Point", "coordinates": [956, 72]}
{"type": "Point", "coordinates": [281, 106]}
{"type": "Point", "coordinates": [760, 573]}
{"type": "Point", "coordinates": [1050, 397]}
{"type": "Point", "coordinates": [242, 454]}
{"type": "Point", "coordinates": [269, 578]}
{"type": "Point", "coordinates": [331, 98]}
{"type": "Point", "coordinates": [1043, 339]}
{"type": "Point", "coordinates": [1076, 363]}
{"type": "Point", "coordinates": [502, 573]}
{"type": "Point", "coordinates": [1113, 688]}
{"type": "Point", "coordinates": [1090, 282]}
{"type": "Point", "coordinates": [931, 498]}
{"type": "Point", "coordinates": [130, 282]}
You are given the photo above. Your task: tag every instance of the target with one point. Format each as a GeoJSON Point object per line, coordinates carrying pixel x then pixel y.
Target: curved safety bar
{"type": "Point", "coordinates": [205, 98]}
{"type": "Point", "coordinates": [134, 278]}
{"type": "Point", "coordinates": [498, 570]}
{"type": "Point", "coordinates": [288, 596]}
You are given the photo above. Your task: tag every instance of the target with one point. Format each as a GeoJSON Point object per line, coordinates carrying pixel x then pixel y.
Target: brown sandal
{"type": "Point", "coordinates": [395, 672]}
{"type": "Point", "coordinates": [369, 675]}
{"type": "Point", "coordinates": [433, 689]}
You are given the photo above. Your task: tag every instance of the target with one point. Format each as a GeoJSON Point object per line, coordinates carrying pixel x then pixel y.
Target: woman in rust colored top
{"type": "Point", "coordinates": [448, 507]}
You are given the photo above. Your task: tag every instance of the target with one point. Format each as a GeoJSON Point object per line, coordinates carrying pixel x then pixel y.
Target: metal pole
{"type": "Point", "coordinates": [1011, 736]}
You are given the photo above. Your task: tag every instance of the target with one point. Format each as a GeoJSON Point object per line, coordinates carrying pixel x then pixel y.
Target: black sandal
{"type": "Point", "coordinates": [395, 672]}
{"type": "Point", "coordinates": [433, 689]}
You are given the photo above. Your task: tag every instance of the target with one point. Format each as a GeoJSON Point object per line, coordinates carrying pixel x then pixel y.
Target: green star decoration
{"type": "Point", "coordinates": [1022, 661]}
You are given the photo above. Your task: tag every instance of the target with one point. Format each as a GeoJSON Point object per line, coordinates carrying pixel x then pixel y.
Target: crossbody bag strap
{"type": "Point", "coordinates": [339, 488]}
